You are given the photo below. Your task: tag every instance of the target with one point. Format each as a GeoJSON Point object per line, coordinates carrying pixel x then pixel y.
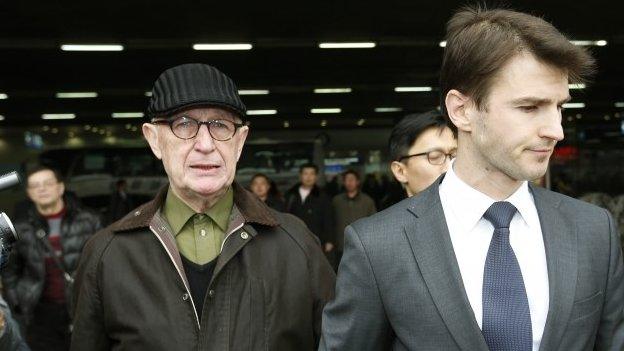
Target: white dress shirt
{"type": "Point", "coordinates": [470, 233]}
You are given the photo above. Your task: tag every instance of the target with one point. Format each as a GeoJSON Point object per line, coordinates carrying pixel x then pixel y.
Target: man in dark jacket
{"type": "Point", "coordinates": [310, 203]}
{"type": "Point", "coordinates": [206, 265]}
{"type": "Point", "coordinates": [52, 235]}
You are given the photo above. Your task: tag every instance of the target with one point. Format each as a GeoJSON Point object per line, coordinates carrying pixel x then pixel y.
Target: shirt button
{"type": "Point", "coordinates": [185, 296]}
{"type": "Point", "coordinates": [202, 232]}
{"type": "Point", "coordinates": [244, 235]}
{"type": "Point", "coordinates": [211, 293]}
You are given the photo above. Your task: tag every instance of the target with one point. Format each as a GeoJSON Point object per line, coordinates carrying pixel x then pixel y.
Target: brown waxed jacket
{"type": "Point", "coordinates": [268, 290]}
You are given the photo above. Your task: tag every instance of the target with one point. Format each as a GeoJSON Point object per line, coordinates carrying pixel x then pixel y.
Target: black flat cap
{"type": "Point", "coordinates": [193, 84]}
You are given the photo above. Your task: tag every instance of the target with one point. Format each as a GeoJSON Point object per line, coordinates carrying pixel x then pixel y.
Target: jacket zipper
{"type": "Point", "coordinates": [229, 234]}
{"type": "Point", "coordinates": [181, 277]}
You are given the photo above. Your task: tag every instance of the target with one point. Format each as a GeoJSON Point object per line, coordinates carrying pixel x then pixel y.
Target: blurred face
{"type": "Point", "coordinates": [198, 167]}
{"type": "Point", "coordinates": [351, 183]}
{"type": "Point", "coordinates": [517, 132]}
{"type": "Point", "coordinates": [260, 186]}
{"type": "Point", "coordinates": [307, 177]}
{"type": "Point", "coordinates": [417, 173]}
{"type": "Point", "coordinates": [44, 189]}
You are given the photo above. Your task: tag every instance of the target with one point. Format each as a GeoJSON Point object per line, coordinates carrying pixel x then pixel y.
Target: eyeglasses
{"type": "Point", "coordinates": [435, 157]}
{"type": "Point", "coordinates": [185, 127]}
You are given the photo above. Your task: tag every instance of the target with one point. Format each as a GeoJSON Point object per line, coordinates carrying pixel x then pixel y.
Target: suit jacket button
{"type": "Point", "coordinates": [185, 297]}
{"type": "Point", "coordinates": [244, 235]}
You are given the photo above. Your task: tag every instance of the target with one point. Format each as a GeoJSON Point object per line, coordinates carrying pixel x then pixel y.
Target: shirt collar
{"type": "Point", "coordinates": [177, 212]}
{"type": "Point", "coordinates": [469, 204]}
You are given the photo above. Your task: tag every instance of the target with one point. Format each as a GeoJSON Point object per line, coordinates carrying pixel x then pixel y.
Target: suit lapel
{"type": "Point", "coordinates": [431, 244]}
{"type": "Point", "coordinates": [561, 257]}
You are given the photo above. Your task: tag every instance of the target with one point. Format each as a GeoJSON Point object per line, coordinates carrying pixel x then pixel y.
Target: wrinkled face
{"type": "Point", "coordinates": [44, 189]}
{"type": "Point", "coordinates": [260, 186]}
{"type": "Point", "coordinates": [200, 166]}
{"type": "Point", "coordinates": [417, 173]}
{"type": "Point", "coordinates": [307, 177]}
{"type": "Point", "coordinates": [517, 131]}
{"type": "Point", "coordinates": [351, 183]}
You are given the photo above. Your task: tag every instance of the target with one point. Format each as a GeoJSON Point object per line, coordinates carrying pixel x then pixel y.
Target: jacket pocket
{"type": "Point", "coordinates": [586, 307]}
{"type": "Point", "coordinates": [258, 333]}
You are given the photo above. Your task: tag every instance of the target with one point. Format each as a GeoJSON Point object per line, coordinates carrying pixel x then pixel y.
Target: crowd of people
{"type": "Point", "coordinates": [470, 255]}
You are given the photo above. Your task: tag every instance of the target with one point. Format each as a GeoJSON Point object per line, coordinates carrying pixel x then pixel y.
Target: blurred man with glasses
{"type": "Point", "coordinates": [38, 279]}
{"type": "Point", "coordinates": [421, 148]}
{"type": "Point", "coordinates": [206, 265]}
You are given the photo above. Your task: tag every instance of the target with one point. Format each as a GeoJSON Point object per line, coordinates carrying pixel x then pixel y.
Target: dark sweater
{"type": "Point", "coordinates": [199, 277]}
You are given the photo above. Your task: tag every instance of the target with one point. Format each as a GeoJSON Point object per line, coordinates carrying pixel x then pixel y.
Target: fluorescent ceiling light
{"type": "Point", "coordinates": [352, 45]}
{"type": "Point", "coordinates": [388, 109]}
{"type": "Point", "coordinates": [442, 44]}
{"type": "Point", "coordinates": [361, 122]}
{"type": "Point", "coordinates": [324, 123]}
{"type": "Point", "coordinates": [332, 90]}
{"type": "Point", "coordinates": [1, 118]}
{"type": "Point", "coordinates": [3, 96]}
{"type": "Point", "coordinates": [574, 105]}
{"type": "Point", "coordinates": [148, 93]}
{"type": "Point", "coordinates": [412, 89]}
{"type": "Point", "coordinates": [127, 114]}
{"type": "Point", "coordinates": [589, 42]}
{"type": "Point", "coordinates": [261, 112]}
{"type": "Point", "coordinates": [58, 116]}
{"type": "Point", "coordinates": [81, 47]}
{"type": "Point", "coordinates": [325, 110]}
{"type": "Point", "coordinates": [619, 104]}
{"type": "Point", "coordinates": [77, 95]}
{"type": "Point", "coordinates": [237, 46]}
{"type": "Point", "coordinates": [576, 86]}
{"type": "Point", "coordinates": [253, 92]}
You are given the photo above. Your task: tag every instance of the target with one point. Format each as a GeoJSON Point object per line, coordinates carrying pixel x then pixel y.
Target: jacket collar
{"type": "Point", "coordinates": [251, 208]}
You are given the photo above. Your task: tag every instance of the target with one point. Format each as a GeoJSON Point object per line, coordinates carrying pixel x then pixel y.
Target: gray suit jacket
{"type": "Point", "coordinates": [399, 286]}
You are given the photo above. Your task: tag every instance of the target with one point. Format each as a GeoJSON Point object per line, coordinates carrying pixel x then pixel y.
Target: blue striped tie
{"type": "Point", "coordinates": [506, 316]}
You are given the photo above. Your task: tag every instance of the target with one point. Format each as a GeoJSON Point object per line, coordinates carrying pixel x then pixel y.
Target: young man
{"type": "Point", "coordinates": [206, 265]}
{"type": "Point", "coordinates": [38, 284]}
{"type": "Point", "coordinates": [482, 260]}
{"type": "Point", "coordinates": [310, 203]}
{"type": "Point", "coordinates": [348, 207]}
{"type": "Point", "coordinates": [421, 149]}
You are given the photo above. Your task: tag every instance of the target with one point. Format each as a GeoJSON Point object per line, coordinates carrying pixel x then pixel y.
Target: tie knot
{"type": "Point", "coordinates": [500, 214]}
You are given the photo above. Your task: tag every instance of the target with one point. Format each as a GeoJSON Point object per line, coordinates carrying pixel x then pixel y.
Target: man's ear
{"type": "Point", "coordinates": [457, 105]}
{"type": "Point", "coordinates": [399, 171]}
{"type": "Point", "coordinates": [151, 135]}
{"type": "Point", "coordinates": [240, 140]}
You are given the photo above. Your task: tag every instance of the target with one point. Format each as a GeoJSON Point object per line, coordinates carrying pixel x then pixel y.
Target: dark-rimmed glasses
{"type": "Point", "coordinates": [435, 157]}
{"type": "Point", "coordinates": [185, 127]}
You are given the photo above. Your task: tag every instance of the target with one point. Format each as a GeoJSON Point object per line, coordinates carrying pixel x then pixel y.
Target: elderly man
{"type": "Point", "coordinates": [206, 265]}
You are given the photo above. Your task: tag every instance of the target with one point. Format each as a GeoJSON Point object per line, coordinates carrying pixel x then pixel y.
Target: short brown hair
{"type": "Point", "coordinates": [479, 42]}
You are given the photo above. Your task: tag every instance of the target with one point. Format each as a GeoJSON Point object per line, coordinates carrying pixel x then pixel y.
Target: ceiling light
{"type": "Point", "coordinates": [77, 95]}
{"type": "Point", "coordinates": [1, 118]}
{"type": "Point", "coordinates": [127, 114]}
{"type": "Point", "coordinates": [589, 42]}
{"type": "Point", "coordinates": [3, 96]}
{"type": "Point", "coordinates": [576, 86]}
{"type": "Point", "coordinates": [388, 109]}
{"type": "Point", "coordinates": [148, 93]}
{"type": "Point", "coordinates": [237, 46]}
{"type": "Point", "coordinates": [361, 122]}
{"type": "Point", "coordinates": [261, 112]}
{"type": "Point", "coordinates": [332, 90]}
{"type": "Point", "coordinates": [412, 89]}
{"type": "Point", "coordinates": [324, 123]}
{"type": "Point", "coordinates": [352, 45]}
{"type": "Point", "coordinates": [253, 92]}
{"type": "Point", "coordinates": [619, 104]}
{"type": "Point", "coordinates": [442, 44]}
{"type": "Point", "coordinates": [325, 110]}
{"type": "Point", "coordinates": [58, 116]}
{"type": "Point", "coordinates": [574, 105]}
{"type": "Point", "coordinates": [80, 47]}
{"type": "Point", "coordinates": [286, 124]}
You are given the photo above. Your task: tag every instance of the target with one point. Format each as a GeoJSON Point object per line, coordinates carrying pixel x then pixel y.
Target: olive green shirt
{"type": "Point", "coordinates": [199, 235]}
